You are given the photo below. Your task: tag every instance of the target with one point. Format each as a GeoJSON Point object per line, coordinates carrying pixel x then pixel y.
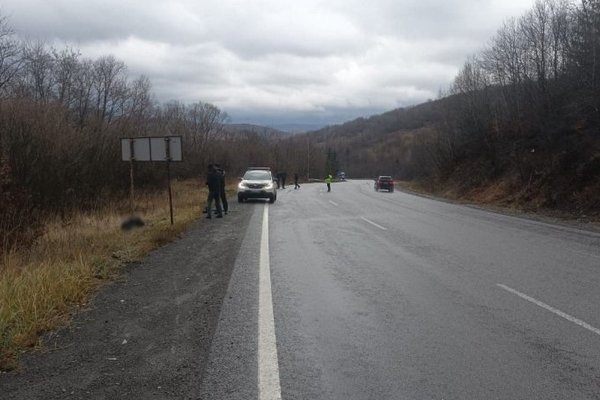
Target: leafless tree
{"type": "Point", "coordinates": [10, 55]}
{"type": "Point", "coordinates": [38, 71]}
{"type": "Point", "coordinates": [109, 86]}
{"type": "Point", "coordinates": [66, 65]}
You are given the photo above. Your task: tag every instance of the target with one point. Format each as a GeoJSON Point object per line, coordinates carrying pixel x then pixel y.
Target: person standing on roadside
{"type": "Point", "coordinates": [213, 181]}
{"type": "Point", "coordinates": [328, 180]}
{"type": "Point", "coordinates": [222, 193]}
{"type": "Point", "coordinates": [296, 186]}
{"type": "Point", "coordinates": [283, 176]}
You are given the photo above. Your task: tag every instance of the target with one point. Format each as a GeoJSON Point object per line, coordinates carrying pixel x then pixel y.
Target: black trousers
{"type": "Point", "coordinates": [224, 200]}
{"type": "Point", "coordinates": [216, 197]}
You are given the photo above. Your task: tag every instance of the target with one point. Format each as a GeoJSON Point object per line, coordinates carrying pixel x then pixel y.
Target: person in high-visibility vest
{"type": "Point", "coordinates": [328, 182]}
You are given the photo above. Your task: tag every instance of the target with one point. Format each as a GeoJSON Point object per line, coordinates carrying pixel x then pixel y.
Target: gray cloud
{"type": "Point", "coordinates": [267, 58]}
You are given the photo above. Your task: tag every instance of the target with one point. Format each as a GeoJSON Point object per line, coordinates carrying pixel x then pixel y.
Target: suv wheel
{"type": "Point", "coordinates": [240, 199]}
{"type": "Point", "coordinates": [272, 199]}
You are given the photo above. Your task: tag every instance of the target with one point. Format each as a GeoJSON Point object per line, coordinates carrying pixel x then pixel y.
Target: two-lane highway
{"type": "Point", "coordinates": [395, 296]}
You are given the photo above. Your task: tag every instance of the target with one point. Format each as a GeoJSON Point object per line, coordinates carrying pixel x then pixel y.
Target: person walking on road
{"type": "Point", "coordinates": [296, 186]}
{"type": "Point", "coordinates": [328, 182]}
{"type": "Point", "coordinates": [213, 181]}
{"type": "Point", "coordinates": [222, 193]}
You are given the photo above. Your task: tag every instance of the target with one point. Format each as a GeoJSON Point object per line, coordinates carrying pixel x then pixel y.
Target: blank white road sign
{"type": "Point", "coordinates": [152, 148]}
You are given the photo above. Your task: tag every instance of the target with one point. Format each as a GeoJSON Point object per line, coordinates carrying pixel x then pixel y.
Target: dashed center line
{"type": "Point", "coordinates": [374, 224]}
{"type": "Point", "coordinates": [268, 366]}
{"type": "Point", "coordinates": [545, 306]}
{"type": "Point", "coordinates": [334, 203]}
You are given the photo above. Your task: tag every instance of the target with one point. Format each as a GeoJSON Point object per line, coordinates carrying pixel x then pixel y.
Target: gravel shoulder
{"type": "Point", "coordinates": [146, 336]}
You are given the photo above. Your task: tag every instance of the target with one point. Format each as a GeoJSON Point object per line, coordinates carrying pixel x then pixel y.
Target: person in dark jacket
{"type": "Point", "coordinates": [222, 193]}
{"type": "Point", "coordinates": [296, 186]}
{"type": "Point", "coordinates": [283, 177]}
{"type": "Point", "coordinates": [213, 181]}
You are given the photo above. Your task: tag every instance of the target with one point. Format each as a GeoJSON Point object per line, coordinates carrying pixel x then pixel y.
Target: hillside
{"type": "Point", "coordinates": [554, 169]}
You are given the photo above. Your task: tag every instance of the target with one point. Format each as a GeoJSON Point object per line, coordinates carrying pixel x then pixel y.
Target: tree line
{"type": "Point", "coordinates": [61, 118]}
{"type": "Point", "coordinates": [528, 107]}
{"type": "Point", "coordinates": [525, 111]}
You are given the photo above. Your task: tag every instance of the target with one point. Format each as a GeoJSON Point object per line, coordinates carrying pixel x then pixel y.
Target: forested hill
{"type": "Point", "coordinates": [389, 143]}
{"type": "Point", "coordinates": [519, 125]}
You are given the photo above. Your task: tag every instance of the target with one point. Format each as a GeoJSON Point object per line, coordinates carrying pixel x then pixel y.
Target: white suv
{"type": "Point", "coordinates": [257, 184]}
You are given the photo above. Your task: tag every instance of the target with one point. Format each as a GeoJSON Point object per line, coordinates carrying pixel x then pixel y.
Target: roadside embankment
{"type": "Point", "coordinates": [42, 285]}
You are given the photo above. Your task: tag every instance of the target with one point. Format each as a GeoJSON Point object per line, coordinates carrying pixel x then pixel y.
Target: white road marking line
{"type": "Point", "coordinates": [564, 315]}
{"type": "Point", "coordinates": [268, 366]}
{"type": "Point", "coordinates": [334, 203]}
{"type": "Point", "coordinates": [374, 224]}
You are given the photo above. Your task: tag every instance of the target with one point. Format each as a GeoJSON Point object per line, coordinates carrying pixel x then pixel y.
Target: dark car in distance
{"type": "Point", "coordinates": [384, 183]}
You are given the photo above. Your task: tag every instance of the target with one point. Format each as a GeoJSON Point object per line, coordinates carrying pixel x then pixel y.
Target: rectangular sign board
{"type": "Point", "coordinates": [152, 148]}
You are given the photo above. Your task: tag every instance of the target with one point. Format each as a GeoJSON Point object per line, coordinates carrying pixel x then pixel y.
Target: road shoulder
{"type": "Point", "coordinates": [559, 219]}
{"type": "Point", "coordinates": [146, 336]}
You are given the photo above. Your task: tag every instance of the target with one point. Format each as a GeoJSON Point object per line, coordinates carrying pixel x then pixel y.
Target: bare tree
{"type": "Point", "coordinates": [38, 71]}
{"type": "Point", "coordinates": [83, 85]}
{"type": "Point", "coordinates": [108, 85]}
{"type": "Point", "coordinates": [66, 64]}
{"type": "Point", "coordinates": [10, 55]}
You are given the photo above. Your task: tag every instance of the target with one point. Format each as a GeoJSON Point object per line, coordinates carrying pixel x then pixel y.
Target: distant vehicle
{"type": "Point", "coordinates": [257, 183]}
{"type": "Point", "coordinates": [341, 176]}
{"type": "Point", "coordinates": [385, 183]}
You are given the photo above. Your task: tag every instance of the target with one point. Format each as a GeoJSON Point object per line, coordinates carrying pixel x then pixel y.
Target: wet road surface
{"type": "Point", "coordinates": [396, 296]}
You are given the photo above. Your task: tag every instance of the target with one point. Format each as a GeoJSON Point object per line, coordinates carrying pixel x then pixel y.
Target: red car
{"type": "Point", "coordinates": [384, 182]}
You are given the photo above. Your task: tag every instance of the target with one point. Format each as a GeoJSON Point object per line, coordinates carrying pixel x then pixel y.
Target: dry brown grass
{"type": "Point", "coordinates": [40, 287]}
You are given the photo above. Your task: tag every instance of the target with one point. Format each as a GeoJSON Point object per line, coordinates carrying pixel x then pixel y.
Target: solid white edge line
{"type": "Point", "coordinates": [564, 315]}
{"type": "Point", "coordinates": [268, 365]}
{"type": "Point", "coordinates": [334, 203]}
{"type": "Point", "coordinates": [374, 224]}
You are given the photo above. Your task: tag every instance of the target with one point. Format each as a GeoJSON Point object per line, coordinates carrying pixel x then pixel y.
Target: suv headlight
{"type": "Point", "coordinates": [242, 185]}
{"type": "Point", "coordinates": [269, 186]}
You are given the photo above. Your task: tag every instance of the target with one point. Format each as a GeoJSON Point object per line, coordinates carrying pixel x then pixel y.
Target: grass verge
{"type": "Point", "coordinates": [40, 287]}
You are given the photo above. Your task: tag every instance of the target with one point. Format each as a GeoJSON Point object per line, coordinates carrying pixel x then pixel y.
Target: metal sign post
{"type": "Point", "coordinates": [131, 161]}
{"type": "Point", "coordinates": [163, 149]}
{"type": "Point", "coordinates": [168, 145]}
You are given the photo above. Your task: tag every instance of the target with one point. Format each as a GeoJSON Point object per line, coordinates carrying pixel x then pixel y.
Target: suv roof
{"type": "Point", "coordinates": [259, 168]}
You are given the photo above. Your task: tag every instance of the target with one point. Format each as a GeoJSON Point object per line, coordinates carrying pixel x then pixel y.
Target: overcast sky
{"type": "Point", "coordinates": [272, 61]}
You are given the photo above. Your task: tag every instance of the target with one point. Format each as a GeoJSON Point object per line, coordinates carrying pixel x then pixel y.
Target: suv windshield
{"type": "Point", "coordinates": [257, 176]}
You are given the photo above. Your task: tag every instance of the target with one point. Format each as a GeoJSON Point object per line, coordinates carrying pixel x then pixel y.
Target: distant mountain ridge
{"type": "Point", "coordinates": [277, 128]}
{"type": "Point", "coordinates": [262, 130]}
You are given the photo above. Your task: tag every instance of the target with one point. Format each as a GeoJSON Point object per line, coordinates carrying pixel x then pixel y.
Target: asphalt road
{"type": "Point", "coordinates": [395, 296]}
{"type": "Point", "coordinates": [351, 294]}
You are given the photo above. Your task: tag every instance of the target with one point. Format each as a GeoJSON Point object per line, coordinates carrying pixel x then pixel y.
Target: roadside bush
{"type": "Point", "coordinates": [19, 222]}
